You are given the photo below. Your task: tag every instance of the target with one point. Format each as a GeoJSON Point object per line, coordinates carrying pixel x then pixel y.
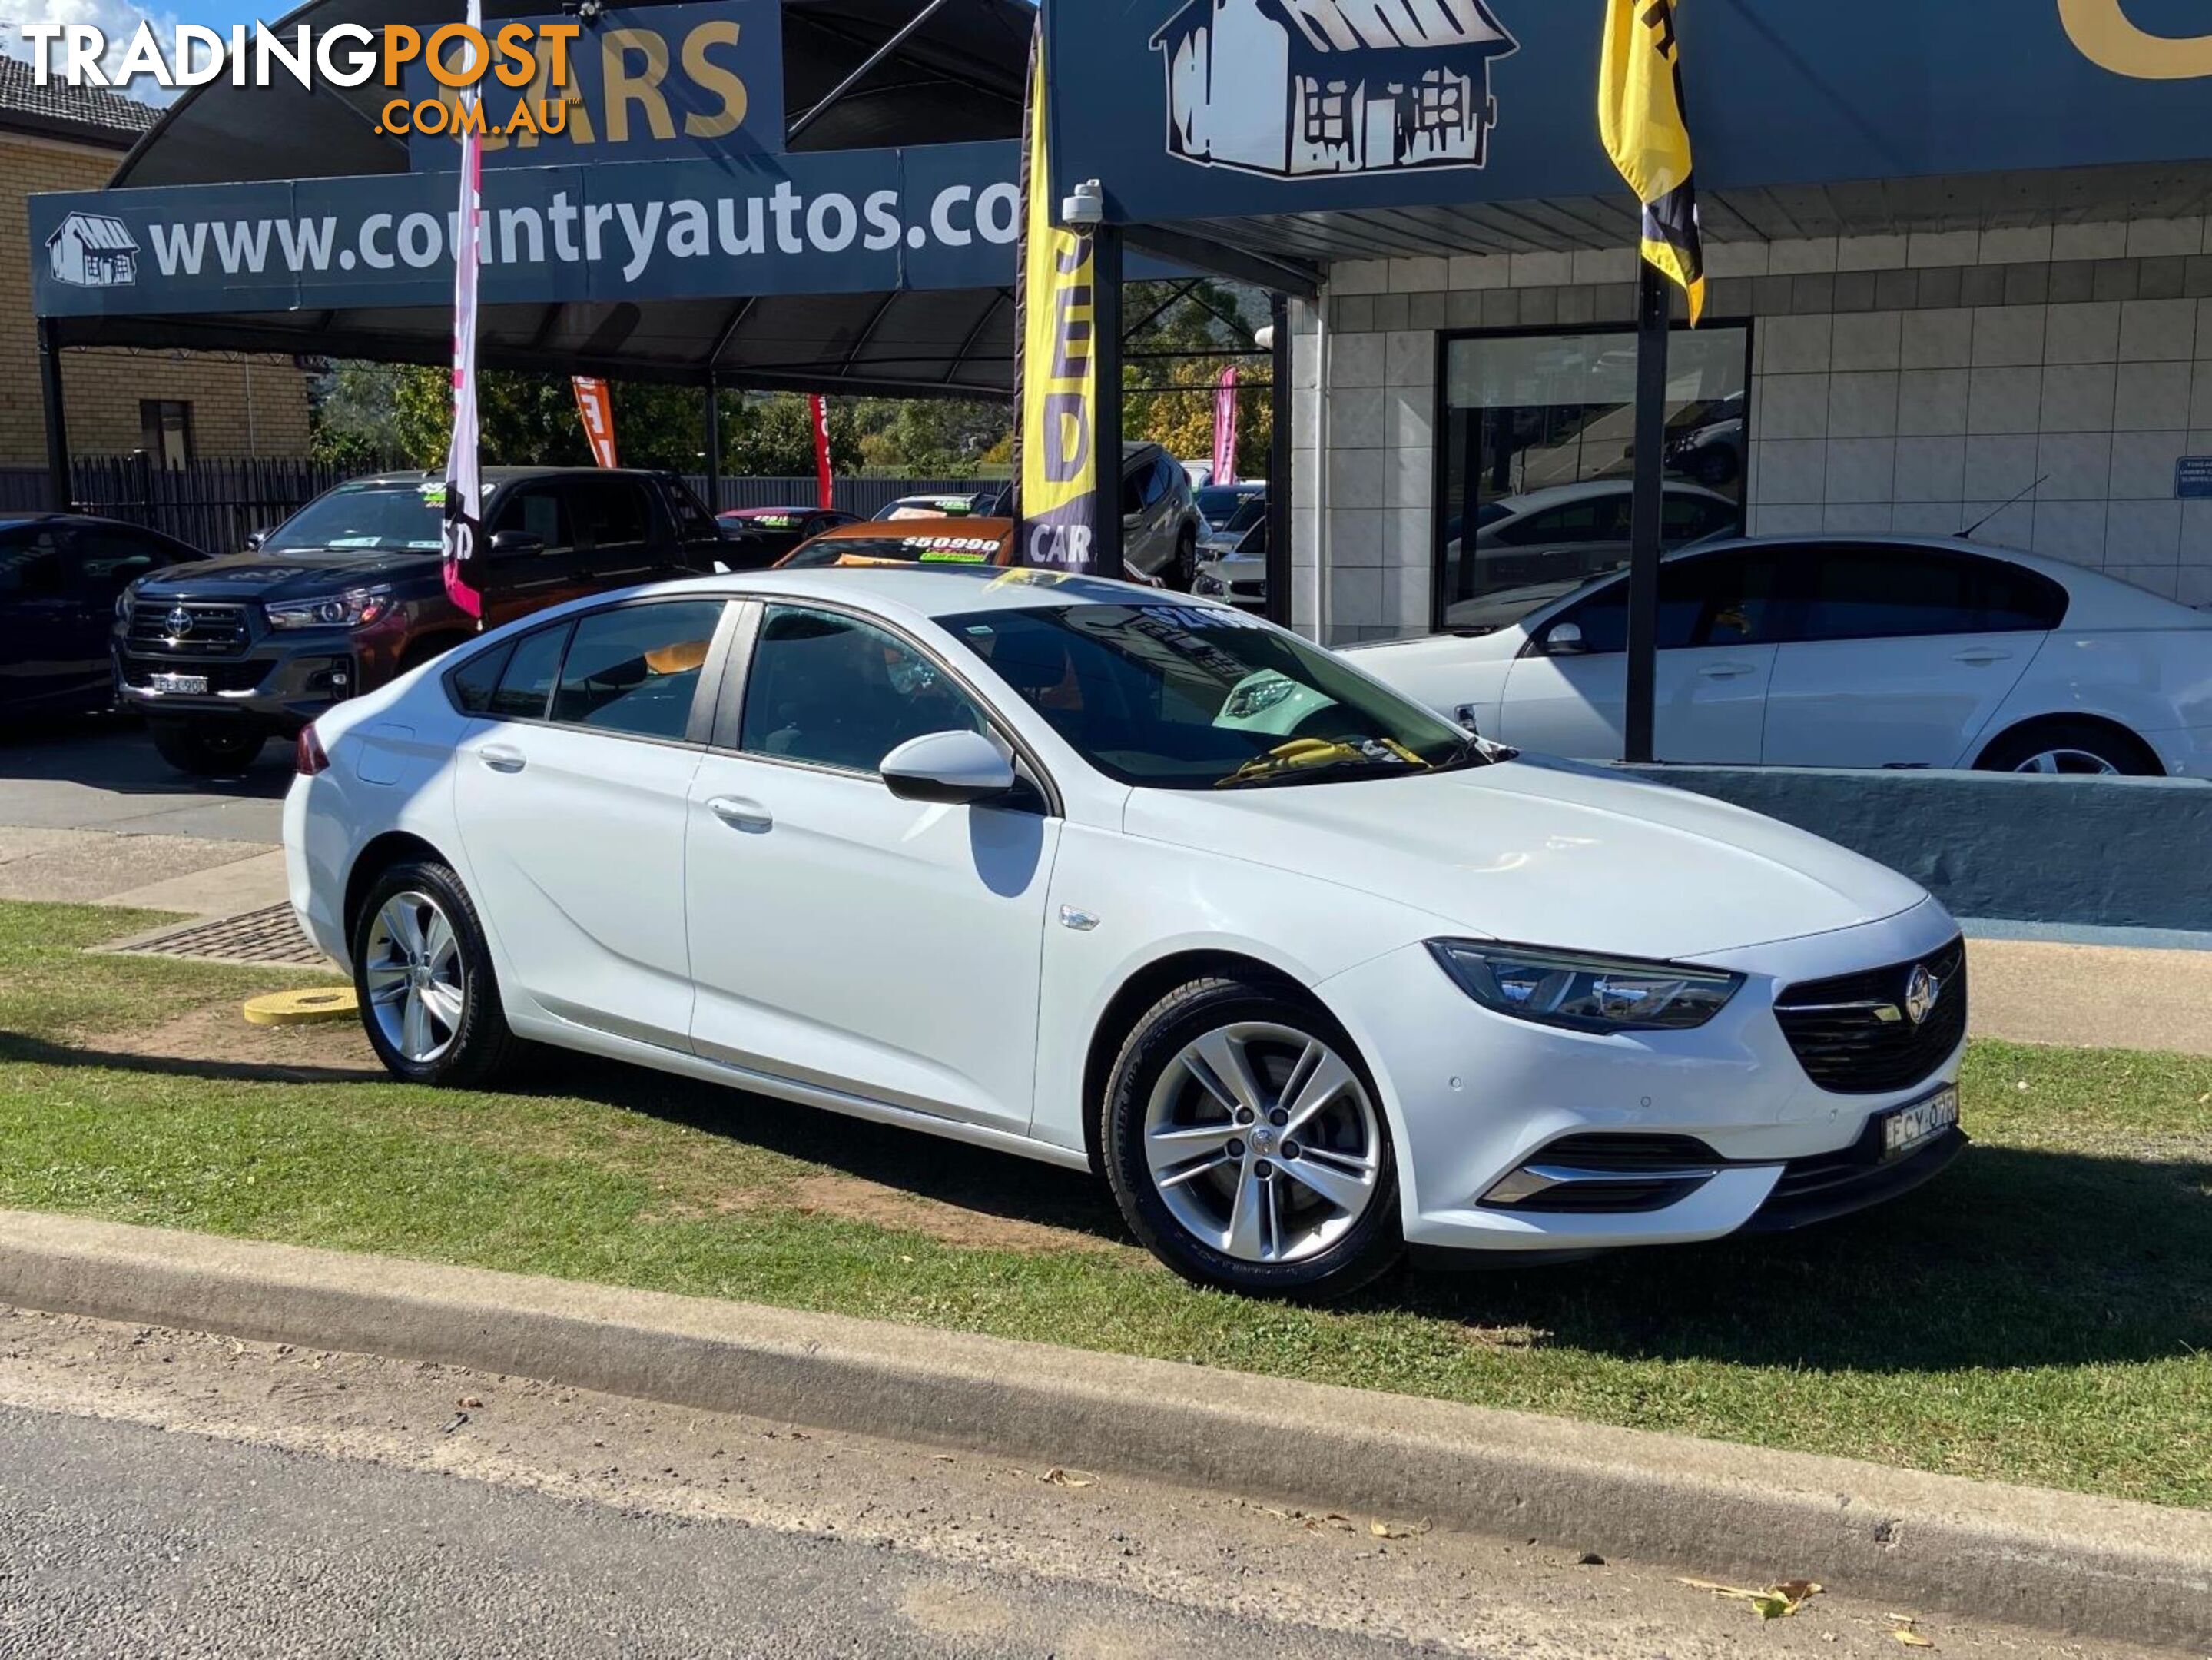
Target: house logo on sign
{"type": "Point", "coordinates": [91, 251]}
{"type": "Point", "coordinates": [1317, 88]}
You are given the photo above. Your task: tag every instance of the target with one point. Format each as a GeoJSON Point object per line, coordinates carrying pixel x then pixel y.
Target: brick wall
{"type": "Point", "coordinates": [240, 406]}
{"type": "Point", "coordinates": [1906, 383]}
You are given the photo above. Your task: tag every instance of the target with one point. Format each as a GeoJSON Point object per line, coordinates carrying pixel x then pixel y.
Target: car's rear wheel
{"type": "Point", "coordinates": [1186, 560]}
{"type": "Point", "coordinates": [2080, 748]}
{"type": "Point", "coordinates": [206, 750]}
{"type": "Point", "coordinates": [1247, 1147]}
{"type": "Point", "coordinates": [429, 999]}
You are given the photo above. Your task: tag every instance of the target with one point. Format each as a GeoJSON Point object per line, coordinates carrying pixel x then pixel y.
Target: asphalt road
{"type": "Point", "coordinates": [178, 1495]}
{"type": "Point", "coordinates": [102, 775]}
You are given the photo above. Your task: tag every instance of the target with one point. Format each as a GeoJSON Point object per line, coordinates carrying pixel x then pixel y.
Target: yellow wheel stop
{"type": "Point", "coordinates": [300, 1008]}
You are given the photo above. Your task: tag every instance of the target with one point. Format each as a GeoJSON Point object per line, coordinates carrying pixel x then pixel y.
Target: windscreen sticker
{"type": "Point", "coordinates": [434, 493]}
{"type": "Point", "coordinates": [773, 520]}
{"type": "Point", "coordinates": [357, 541]}
{"type": "Point", "coordinates": [1201, 617]}
{"type": "Point", "coordinates": [972, 549]}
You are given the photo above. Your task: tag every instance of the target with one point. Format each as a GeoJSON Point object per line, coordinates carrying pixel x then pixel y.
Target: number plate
{"type": "Point", "coordinates": [1906, 1129]}
{"type": "Point", "coordinates": [195, 683]}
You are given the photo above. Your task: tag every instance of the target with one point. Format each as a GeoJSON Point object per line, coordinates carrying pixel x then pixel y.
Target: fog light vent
{"type": "Point", "coordinates": [1601, 1174]}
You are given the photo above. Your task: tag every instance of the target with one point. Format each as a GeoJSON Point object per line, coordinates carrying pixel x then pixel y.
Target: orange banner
{"type": "Point", "coordinates": [595, 404]}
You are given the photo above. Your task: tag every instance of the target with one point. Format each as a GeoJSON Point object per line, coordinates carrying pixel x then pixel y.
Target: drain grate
{"type": "Point", "coordinates": [269, 935]}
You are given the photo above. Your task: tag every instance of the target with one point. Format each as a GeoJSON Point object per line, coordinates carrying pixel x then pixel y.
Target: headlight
{"type": "Point", "coordinates": [354, 608]}
{"type": "Point", "coordinates": [1209, 584]}
{"type": "Point", "coordinates": [1584, 993]}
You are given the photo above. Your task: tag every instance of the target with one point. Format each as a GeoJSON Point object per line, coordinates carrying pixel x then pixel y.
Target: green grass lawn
{"type": "Point", "coordinates": [2041, 1313]}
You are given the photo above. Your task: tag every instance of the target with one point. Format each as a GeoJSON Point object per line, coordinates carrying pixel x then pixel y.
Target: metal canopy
{"type": "Point", "coordinates": [957, 77]}
{"type": "Point", "coordinates": [1878, 207]}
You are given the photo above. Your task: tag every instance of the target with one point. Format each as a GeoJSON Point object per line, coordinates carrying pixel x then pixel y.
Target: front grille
{"type": "Point", "coordinates": [139, 671]}
{"type": "Point", "coordinates": [1853, 1035]}
{"type": "Point", "coordinates": [213, 630]}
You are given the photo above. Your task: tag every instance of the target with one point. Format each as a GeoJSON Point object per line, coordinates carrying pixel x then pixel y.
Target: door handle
{"type": "Point", "coordinates": [501, 758]}
{"type": "Point", "coordinates": [740, 814]}
{"type": "Point", "coordinates": [1981, 656]}
{"type": "Point", "coordinates": [1725, 670]}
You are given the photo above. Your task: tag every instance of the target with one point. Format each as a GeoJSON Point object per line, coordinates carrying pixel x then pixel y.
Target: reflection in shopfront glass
{"type": "Point", "coordinates": [1540, 459]}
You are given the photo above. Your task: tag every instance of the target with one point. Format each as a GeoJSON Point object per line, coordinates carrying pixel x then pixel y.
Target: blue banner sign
{"type": "Point", "coordinates": [837, 221]}
{"type": "Point", "coordinates": [1195, 109]}
{"type": "Point", "coordinates": [2192, 478]}
{"type": "Point", "coordinates": [645, 84]}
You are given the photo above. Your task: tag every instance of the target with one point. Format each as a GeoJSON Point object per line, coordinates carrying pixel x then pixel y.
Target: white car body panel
{"type": "Point", "coordinates": [2121, 654]}
{"type": "Point", "coordinates": [948, 968]}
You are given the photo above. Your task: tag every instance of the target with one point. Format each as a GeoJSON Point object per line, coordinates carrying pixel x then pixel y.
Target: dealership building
{"type": "Point", "coordinates": [1959, 274]}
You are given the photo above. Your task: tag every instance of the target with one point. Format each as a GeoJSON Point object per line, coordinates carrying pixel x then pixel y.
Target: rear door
{"type": "Point", "coordinates": [1720, 618]}
{"type": "Point", "coordinates": [1903, 654]}
{"type": "Point", "coordinates": [40, 662]}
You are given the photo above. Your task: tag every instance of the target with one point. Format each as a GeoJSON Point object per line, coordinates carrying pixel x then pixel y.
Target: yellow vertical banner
{"type": "Point", "coordinates": [1640, 117]}
{"type": "Point", "coordinates": [1055, 438]}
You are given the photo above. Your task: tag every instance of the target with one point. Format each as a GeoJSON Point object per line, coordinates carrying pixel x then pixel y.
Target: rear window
{"type": "Point", "coordinates": [892, 549]}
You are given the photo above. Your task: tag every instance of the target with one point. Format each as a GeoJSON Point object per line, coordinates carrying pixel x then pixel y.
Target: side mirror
{"type": "Point", "coordinates": [1563, 640]}
{"type": "Point", "coordinates": [254, 539]}
{"type": "Point", "coordinates": [960, 769]}
{"type": "Point", "coordinates": [516, 544]}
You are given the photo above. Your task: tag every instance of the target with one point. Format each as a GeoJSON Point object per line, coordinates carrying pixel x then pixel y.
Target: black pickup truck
{"type": "Point", "coordinates": [221, 655]}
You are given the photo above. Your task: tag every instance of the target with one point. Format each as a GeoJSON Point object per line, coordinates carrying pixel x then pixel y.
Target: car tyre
{"type": "Point", "coordinates": [1166, 1126]}
{"type": "Point", "coordinates": [2078, 748]}
{"type": "Point", "coordinates": [206, 751]}
{"type": "Point", "coordinates": [1186, 559]}
{"type": "Point", "coordinates": [423, 972]}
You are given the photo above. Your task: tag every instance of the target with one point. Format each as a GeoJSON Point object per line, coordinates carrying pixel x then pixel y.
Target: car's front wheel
{"type": "Point", "coordinates": [2070, 746]}
{"type": "Point", "coordinates": [1246, 1147]}
{"type": "Point", "coordinates": [422, 971]}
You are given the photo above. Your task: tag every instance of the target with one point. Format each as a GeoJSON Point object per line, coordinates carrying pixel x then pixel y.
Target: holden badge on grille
{"type": "Point", "coordinates": [1922, 988]}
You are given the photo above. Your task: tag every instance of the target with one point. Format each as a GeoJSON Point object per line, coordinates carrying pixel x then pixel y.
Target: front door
{"type": "Point", "coordinates": [572, 789]}
{"type": "Point", "coordinates": [542, 569]}
{"type": "Point", "coordinates": [1718, 622]}
{"type": "Point", "coordinates": [841, 936]}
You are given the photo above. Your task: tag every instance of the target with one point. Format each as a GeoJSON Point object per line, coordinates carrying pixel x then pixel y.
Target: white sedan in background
{"type": "Point", "coordinates": [1128, 884]}
{"type": "Point", "coordinates": [1833, 652]}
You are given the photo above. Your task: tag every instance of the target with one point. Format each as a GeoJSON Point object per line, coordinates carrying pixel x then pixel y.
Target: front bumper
{"type": "Point", "coordinates": [1473, 1096]}
{"type": "Point", "coordinates": [281, 691]}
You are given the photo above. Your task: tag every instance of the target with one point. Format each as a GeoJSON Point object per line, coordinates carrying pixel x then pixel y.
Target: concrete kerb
{"type": "Point", "coordinates": [2082, 1566]}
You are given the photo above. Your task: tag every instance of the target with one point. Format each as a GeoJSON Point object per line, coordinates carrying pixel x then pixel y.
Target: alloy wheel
{"type": "Point", "coordinates": [417, 989]}
{"type": "Point", "coordinates": [1262, 1142]}
{"type": "Point", "coordinates": [2073, 761]}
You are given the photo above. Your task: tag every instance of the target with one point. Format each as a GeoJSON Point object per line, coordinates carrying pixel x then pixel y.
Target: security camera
{"type": "Point", "coordinates": [1085, 207]}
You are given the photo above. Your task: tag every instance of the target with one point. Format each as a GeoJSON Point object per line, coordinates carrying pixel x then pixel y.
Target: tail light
{"type": "Point", "coordinates": [307, 755]}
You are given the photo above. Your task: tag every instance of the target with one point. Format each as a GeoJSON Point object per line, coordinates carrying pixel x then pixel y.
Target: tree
{"type": "Point", "coordinates": [1168, 393]}
{"type": "Point", "coordinates": [936, 437]}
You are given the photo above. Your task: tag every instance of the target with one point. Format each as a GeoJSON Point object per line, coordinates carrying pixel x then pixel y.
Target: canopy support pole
{"type": "Point", "coordinates": [59, 485]}
{"type": "Point", "coordinates": [1648, 504]}
{"type": "Point", "coordinates": [1106, 343]}
{"type": "Point", "coordinates": [1278, 463]}
{"type": "Point", "coordinates": [714, 443]}
{"type": "Point", "coordinates": [866, 68]}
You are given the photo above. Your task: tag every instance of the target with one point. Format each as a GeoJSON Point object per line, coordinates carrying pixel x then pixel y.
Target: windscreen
{"type": "Point", "coordinates": [365, 519]}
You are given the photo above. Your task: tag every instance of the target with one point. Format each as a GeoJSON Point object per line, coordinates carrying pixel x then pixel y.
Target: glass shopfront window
{"type": "Point", "coordinates": [1537, 436]}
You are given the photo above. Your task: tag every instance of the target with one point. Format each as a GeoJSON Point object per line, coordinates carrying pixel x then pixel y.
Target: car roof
{"type": "Point", "coordinates": [961, 525]}
{"type": "Point", "coordinates": [2096, 600]}
{"type": "Point", "coordinates": [771, 512]}
{"type": "Point", "coordinates": [1551, 496]}
{"type": "Point", "coordinates": [934, 592]}
{"type": "Point", "coordinates": [499, 475]}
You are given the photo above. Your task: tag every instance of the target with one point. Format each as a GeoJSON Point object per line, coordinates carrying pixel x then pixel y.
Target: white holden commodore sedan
{"type": "Point", "coordinates": [1814, 651]}
{"type": "Point", "coordinates": [1135, 885]}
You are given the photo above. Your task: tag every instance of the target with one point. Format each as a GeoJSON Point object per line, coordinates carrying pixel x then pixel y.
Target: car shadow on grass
{"type": "Point", "coordinates": [2014, 1257]}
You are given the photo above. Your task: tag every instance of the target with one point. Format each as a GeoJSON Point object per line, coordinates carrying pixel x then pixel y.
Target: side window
{"type": "Point", "coordinates": [611, 512]}
{"type": "Point", "coordinates": [838, 692]}
{"type": "Point", "coordinates": [636, 669]}
{"type": "Point", "coordinates": [692, 519]}
{"type": "Point", "coordinates": [1595, 520]}
{"type": "Point", "coordinates": [526, 682]}
{"type": "Point", "coordinates": [1861, 593]}
{"type": "Point", "coordinates": [1728, 600]}
{"type": "Point", "coordinates": [32, 566]}
{"type": "Point", "coordinates": [537, 510]}
{"type": "Point", "coordinates": [2012, 599]}
{"type": "Point", "coordinates": [1687, 518]}
{"type": "Point", "coordinates": [473, 684]}
{"type": "Point", "coordinates": [110, 560]}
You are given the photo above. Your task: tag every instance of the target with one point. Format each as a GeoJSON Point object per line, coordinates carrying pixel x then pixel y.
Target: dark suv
{"type": "Point", "coordinates": [350, 591]}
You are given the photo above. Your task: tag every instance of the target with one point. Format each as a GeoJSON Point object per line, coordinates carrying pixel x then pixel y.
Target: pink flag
{"type": "Point", "coordinates": [464, 496]}
{"type": "Point", "coordinates": [1225, 428]}
{"type": "Point", "coordinates": [817, 410]}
